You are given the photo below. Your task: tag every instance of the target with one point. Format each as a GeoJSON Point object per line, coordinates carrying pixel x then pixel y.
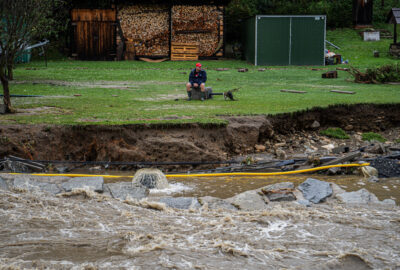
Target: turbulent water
{"type": "Point", "coordinates": [87, 230]}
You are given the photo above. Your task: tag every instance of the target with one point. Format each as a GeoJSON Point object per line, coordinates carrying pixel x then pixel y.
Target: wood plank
{"type": "Point", "coordinates": [343, 92]}
{"type": "Point", "coordinates": [293, 91]}
{"type": "Point", "coordinates": [340, 160]}
{"type": "Point", "coordinates": [178, 57]}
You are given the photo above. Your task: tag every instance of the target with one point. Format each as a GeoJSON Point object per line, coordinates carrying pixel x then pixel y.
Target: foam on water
{"type": "Point", "coordinates": [172, 188]}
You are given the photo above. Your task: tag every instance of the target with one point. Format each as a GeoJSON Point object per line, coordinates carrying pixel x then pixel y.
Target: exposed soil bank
{"type": "Point", "coordinates": [189, 142]}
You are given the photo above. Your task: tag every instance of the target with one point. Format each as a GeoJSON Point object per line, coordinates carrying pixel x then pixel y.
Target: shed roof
{"type": "Point", "coordinates": [394, 16]}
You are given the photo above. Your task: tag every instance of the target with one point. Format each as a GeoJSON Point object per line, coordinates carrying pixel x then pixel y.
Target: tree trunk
{"type": "Point", "coordinates": [6, 93]}
{"type": "Point", "coordinates": [10, 73]}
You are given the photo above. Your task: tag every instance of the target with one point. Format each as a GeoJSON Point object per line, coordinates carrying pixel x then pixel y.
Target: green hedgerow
{"type": "Point", "coordinates": [369, 136]}
{"type": "Point", "coordinates": [337, 133]}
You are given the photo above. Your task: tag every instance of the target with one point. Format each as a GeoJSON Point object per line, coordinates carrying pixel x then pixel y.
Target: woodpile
{"type": "Point", "coordinates": [146, 29]}
{"type": "Point", "coordinates": [198, 24]}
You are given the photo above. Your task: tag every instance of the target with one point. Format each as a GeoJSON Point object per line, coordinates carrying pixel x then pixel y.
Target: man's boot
{"type": "Point", "coordinates": [189, 95]}
{"type": "Point", "coordinates": [203, 96]}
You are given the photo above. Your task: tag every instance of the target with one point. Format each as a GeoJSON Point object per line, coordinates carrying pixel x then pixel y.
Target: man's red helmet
{"type": "Point", "coordinates": [198, 65]}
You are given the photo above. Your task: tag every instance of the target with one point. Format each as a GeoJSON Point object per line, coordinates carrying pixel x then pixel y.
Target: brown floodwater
{"type": "Point", "coordinates": [91, 231]}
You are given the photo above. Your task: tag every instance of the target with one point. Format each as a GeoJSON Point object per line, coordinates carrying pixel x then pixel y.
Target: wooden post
{"type": "Point", "coordinates": [395, 32]}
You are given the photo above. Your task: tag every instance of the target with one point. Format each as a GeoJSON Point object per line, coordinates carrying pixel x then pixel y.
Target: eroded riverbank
{"type": "Point", "coordinates": [284, 135]}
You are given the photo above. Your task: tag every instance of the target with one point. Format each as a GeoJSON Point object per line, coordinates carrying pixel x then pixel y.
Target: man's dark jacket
{"type": "Point", "coordinates": [198, 77]}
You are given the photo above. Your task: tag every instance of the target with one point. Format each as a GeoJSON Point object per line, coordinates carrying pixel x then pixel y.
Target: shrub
{"type": "Point", "coordinates": [337, 133]}
{"type": "Point", "coordinates": [369, 136]}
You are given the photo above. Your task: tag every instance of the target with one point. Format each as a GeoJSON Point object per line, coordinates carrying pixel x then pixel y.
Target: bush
{"type": "Point", "coordinates": [369, 136]}
{"type": "Point", "coordinates": [337, 133]}
{"type": "Point", "coordinates": [383, 74]}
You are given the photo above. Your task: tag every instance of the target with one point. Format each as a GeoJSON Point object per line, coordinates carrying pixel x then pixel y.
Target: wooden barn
{"type": "Point", "coordinates": [152, 29]}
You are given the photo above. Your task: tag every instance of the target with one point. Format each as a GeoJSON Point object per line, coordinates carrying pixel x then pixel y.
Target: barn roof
{"type": "Point", "coordinates": [394, 16]}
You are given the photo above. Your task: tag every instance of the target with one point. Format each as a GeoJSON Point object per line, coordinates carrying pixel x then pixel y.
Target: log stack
{"type": "Point", "coordinates": [198, 24]}
{"type": "Point", "coordinates": [146, 29]}
{"type": "Point", "coordinates": [149, 29]}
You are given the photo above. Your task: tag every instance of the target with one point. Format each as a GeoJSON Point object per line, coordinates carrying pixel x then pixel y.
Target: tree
{"type": "Point", "coordinates": [18, 23]}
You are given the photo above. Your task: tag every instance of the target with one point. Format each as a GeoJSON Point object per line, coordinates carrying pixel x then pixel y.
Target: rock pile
{"type": "Point", "coordinates": [308, 193]}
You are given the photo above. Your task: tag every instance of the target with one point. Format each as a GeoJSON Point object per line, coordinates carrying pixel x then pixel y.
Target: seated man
{"type": "Point", "coordinates": [197, 78]}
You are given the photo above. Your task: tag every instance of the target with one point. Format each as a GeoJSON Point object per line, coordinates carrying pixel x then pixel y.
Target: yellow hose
{"type": "Point", "coordinates": [210, 174]}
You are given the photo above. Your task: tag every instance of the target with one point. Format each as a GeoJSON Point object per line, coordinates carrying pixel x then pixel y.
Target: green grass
{"type": "Point", "coordinates": [128, 92]}
{"type": "Point", "coordinates": [337, 133]}
{"type": "Point", "coordinates": [369, 136]}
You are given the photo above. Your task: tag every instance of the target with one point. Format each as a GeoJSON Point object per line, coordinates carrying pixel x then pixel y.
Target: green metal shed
{"type": "Point", "coordinates": [285, 40]}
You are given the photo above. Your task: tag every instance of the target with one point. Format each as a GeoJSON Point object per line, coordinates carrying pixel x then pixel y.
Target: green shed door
{"type": "Point", "coordinates": [273, 40]}
{"type": "Point", "coordinates": [308, 40]}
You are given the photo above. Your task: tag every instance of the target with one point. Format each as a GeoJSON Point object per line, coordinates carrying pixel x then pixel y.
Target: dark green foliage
{"type": "Point", "coordinates": [339, 12]}
{"type": "Point", "coordinates": [383, 74]}
{"type": "Point", "coordinates": [387, 73]}
{"type": "Point", "coordinates": [369, 136]}
{"type": "Point", "coordinates": [337, 133]}
{"type": "Point", "coordinates": [380, 12]}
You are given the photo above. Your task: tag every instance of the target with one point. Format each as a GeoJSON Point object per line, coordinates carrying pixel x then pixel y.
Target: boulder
{"type": "Point", "coordinates": [280, 154]}
{"type": "Point", "coordinates": [249, 200]}
{"type": "Point", "coordinates": [3, 184]}
{"type": "Point", "coordinates": [260, 147]}
{"type": "Point", "coordinates": [334, 170]}
{"type": "Point", "coordinates": [361, 196]}
{"type": "Point", "coordinates": [279, 192]}
{"type": "Point", "coordinates": [24, 183]}
{"type": "Point", "coordinates": [373, 179]}
{"type": "Point", "coordinates": [123, 190]}
{"type": "Point", "coordinates": [389, 201]}
{"type": "Point", "coordinates": [315, 124]}
{"type": "Point", "coordinates": [315, 191]}
{"type": "Point", "coordinates": [336, 189]}
{"type": "Point", "coordinates": [369, 171]}
{"type": "Point", "coordinates": [216, 203]}
{"type": "Point", "coordinates": [93, 183]}
{"type": "Point", "coordinates": [181, 202]}
{"type": "Point", "coordinates": [150, 178]}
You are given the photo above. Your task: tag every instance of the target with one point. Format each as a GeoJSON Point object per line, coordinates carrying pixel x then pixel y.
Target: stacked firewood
{"type": "Point", "coordinates": [198, 24]}
{"type": "Point", "coordinates": [146, 29]}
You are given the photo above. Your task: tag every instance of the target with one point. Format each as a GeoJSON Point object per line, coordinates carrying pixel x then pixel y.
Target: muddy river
{"type": "Point", "coordinates": [41, 231]}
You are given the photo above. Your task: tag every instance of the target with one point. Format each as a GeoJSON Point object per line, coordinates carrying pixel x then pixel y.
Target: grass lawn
{"type": "Point", "coordinates": [89, 92]}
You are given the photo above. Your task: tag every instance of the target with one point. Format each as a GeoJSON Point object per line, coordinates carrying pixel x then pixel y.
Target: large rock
{"type": "Point", "coordinates": [3, 184]}
{"type": "Point", "coordinates": [249, 200]}
{"type": "Point", "coordinates": [150, 178]}
{"type": "Point", "coordinates": [279, 192]}
{"type": "Point", "coordinates": [315, 191]}
{"type": "Point", "coordinates": [93, 183]}
{"type": "Point", "coordinates": [24, 183]}
{"type": "Point", "coordinates": [214, 203]}
{"type": "Point", "coordinates": [124, 190]}
{"type": "Point", "coordinates": [361, 196]}
{"type": "Point", "coordinates": [181, 202]}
